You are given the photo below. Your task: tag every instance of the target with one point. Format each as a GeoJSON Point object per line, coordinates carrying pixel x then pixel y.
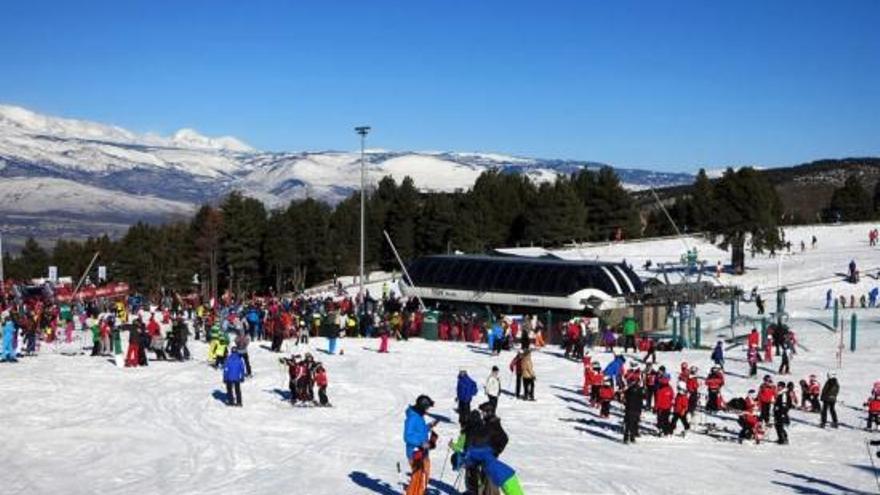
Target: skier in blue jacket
{"type": "Point", "coordinates": [615, 368]}
{"type": "Point", "coordinates": [465, 392]}
{"type": "Point", "coordinates": [419, 440]}
{"type": "Point", "coordinates": [8, 353]}
{"type": "Point", "coordinates": [233, 375]}
{"type": "Point", "coordinates": [718, 354]}
{"type": "Point", "coordinates": [501, 475]}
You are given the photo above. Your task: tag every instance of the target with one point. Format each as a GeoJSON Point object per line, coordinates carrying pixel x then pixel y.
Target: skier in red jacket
{"type": "Point", "coordinates": [751, 426]}
{"type": "Point", "coordinates": [766, 396]}
{"type": "Point", "coordinates": [588, 363]}
{"type": "Point", "coordinates": [873, 405]}
{"type": "Point", "coordinates": [606, 395]}
{"type": "Point", "coordinates": [680, 409]}
{"type": "Point", "coordinates": [754, 339]}
{"type": "Point", "coordinates": [596, 380]}
{"type": "Point", "coordinates": [321, 382]}
{"type": "Point", "coordinates": [663, 405]}
{"type": "Point", "coordinates": [693, 388]}
{"type": "Point", "coordinates": [714, 382]}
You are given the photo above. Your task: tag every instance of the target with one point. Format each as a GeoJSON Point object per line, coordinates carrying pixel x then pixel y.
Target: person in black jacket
{"type": "Point", "coordinates": [829, 399]}
{"type": "Point", "coordinates": [780, 413]}
{"type": "Point", "coordinates": [633, 400]}
{"type": "Point", "coordinates": [495, 435]}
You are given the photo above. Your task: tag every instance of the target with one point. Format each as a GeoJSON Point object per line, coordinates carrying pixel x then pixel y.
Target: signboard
{"type": "Point", "coordinates": [102, 273]}
{"type": "Point", "coordinates": [53, 273]}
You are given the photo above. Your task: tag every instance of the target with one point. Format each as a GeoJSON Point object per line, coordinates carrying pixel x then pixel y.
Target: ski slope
{"type": "Point", "coordinates": [76, 424]}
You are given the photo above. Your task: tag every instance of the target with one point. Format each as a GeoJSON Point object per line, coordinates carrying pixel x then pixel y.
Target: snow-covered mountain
{"type": "Point", "coordinates": [115, 173]}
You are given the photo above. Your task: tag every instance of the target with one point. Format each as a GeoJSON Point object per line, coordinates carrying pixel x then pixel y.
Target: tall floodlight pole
{"type": "Point", "coordinates": [362, 130]}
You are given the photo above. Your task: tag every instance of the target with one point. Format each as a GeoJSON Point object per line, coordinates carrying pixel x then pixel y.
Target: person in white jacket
{"type": "Point", "coordinates": [493, 387]}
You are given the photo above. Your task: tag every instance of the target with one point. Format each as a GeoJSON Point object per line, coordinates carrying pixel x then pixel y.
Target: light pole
{"type": "Point", "coordinates": [362, 130]}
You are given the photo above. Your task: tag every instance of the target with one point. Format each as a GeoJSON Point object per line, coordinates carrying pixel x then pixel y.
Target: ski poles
{"type": "Point", "coordinates": [445, 461]}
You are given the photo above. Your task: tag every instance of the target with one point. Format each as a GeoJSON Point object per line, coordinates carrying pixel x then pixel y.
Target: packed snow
{"type": "Point", "coordinates": [76, 424]}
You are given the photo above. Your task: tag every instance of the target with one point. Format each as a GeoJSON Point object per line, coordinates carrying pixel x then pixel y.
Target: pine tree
{"type": "Point", "coordinates": [33, 261]}
{"type": "Point", "coordinates": [747, 208]}
{"type": "Point", "coordinates": [556, 215]}
{"type": "Point", "coordinates": [244, 230]}
{"type": "Point", "coordinates": [851, 202]}
{"type": "Point", "coordinates": [206, 232]}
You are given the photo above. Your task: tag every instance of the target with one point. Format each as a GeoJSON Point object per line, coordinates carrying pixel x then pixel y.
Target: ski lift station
{"type": "Point", "coordinates": [554, 289]}
{"type": "Point", "coordinates": [510, 282]}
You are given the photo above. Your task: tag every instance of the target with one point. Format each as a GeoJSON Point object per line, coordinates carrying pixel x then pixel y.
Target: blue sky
{"type": "Point", "coordinates": [667, 85]}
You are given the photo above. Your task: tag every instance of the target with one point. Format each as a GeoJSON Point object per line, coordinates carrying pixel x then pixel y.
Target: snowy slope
{"type": "Point", "coordinates": [79, 425]}
{"type": "Point", "coordinates": [63, 197]}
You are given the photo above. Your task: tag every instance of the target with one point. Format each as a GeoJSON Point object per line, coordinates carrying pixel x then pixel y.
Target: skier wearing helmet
{"type": "Point", "coordinates": [680, 409]}
{"type": "Point", "coordinates": [419, 437]}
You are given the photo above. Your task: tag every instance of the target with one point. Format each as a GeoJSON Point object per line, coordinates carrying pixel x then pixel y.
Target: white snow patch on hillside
{"type": "Point", "coordinates": [41, 195]}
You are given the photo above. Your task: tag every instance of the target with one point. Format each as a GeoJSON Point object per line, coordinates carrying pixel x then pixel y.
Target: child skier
{"type": "Point", "coordinates": [813, 390]}
{"type": "Point", "coordinates": [752, 358]}
{"type": "Point", "coordinates": [233, 375]}
{"type": "Point", "coordinates": [749, 423]}
{"type": "Point", "coordinates": [606, 395]}
{"type": "Point", "coordinates": [693, 389]}
{"type": "Point", "coordinates": [680, 409]}
{"type": "Point", "coordinates": [714, 382]}
{"type": "Point", "coordinates": [873, 405]}
{"type": "Point", "coordinates": [321, 382]}
{"type": "Point", "coordinates": [663, 405]}
{"type": "Point", "coordinates": [500, 474]}
{"type": "Point", "coordinates": [766, 396]}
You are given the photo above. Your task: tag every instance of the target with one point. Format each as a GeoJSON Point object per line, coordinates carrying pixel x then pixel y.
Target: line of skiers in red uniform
{"type": "Point", "coordinates": [651, 389]}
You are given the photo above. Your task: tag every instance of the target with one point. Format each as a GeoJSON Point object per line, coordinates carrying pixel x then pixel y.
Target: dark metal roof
{"type": "Point", "coordinates": [522, 275]}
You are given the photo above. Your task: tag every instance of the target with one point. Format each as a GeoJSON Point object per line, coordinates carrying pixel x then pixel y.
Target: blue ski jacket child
{"type": "Point", "coordinates": [497, 471]}
{"type": "Point", "coordinates": [233, 370]}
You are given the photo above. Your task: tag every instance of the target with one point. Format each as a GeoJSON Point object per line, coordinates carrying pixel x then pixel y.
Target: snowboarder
{"type": "Point", "coordinates": [465, 390]}
{"type": "Point", "coordinates": [828, 299]}
{"type": "Point", "coordinates": [233, 375]}
{"type": "Point", "coordinates": [829, 400]}
{"type": "Point", "coordinates": [493, 387]}
{"type": "Point", "coordinates": [420, 439]}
